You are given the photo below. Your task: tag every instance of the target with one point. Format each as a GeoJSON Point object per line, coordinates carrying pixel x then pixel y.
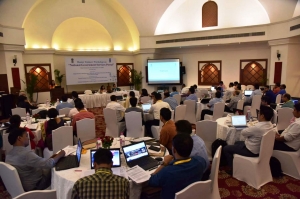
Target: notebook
{"type": "Point", "coordinates": [146, 107]}
{"type": "Point", "coordinates": [137, 154]}
{"type": "Point", "coordinates": [248, 93]}
{"type": "Point", "coordinates": [70, 161]}
{"type": "Point", "coordinates": [239, 121]}
{"type": "Point", "coordinates": [116, 157]}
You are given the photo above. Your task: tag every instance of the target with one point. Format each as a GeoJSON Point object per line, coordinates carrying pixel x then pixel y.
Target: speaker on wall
{"type": "Point", "coordinates": [182, 70]}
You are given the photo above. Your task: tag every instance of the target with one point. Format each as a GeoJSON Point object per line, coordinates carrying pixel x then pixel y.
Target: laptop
{"type": "Point", "coordinates": [239, 121]}
{"type": "Point", "coordinates": [212, 88]}
{"type": "Point", "coordinates": [137, 154]}
{"type": "Point", "coordinates": [116, 157]}
{"type": "Point", "coordinates": [146, 107]}
{"type": "Point", "coordinates": [119, 97]}
{"type": "Point", "coordinates": [71, 161]}
{"type": "Point", "coordinates": [248, 93]}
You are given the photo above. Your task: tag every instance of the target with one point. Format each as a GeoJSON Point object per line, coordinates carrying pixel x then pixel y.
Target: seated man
{"type": "Point", "coordinates": [199, 148]}
{"type": "Point", "coordinates": [289, 140]}
{"type": "Point", "coordinates": [266, 101]}
{"type": "Point", "coordinates": [155, 110]}
{"type": "Point", "coordinates": [24, 103]}
{"type": "Point", "coordinates": [192, 95]}
{"type": "Point", "coordinates": [251, 146]}
{"type": "Point", "coordinates": [257, 91]}
{"type": "Point", "coordinates": [231, 88]}
{"type": "Point", "coordinates": [179, 172]}
{"type": "Point", "coordinates": [174, 91]}
{"type": "Point", "coordinates": [82, 114]}
{"type": "Point", "coordinates": [211, 104]}
{"type": "Point", "coordinates": [116, 106]}
{"type": "Point", "coordinates": [270, 94]}
{"type": "Point", "coordinates": [233, 102]}
{"type": "Point", "coordinates": [64, 104]}
{"type": "Point", "coordinates": [133, 103]}
{"type": "Point", "coordinates": [287, 102]}
{"type": "Point", "coordinates": [184, 89]}
{"type": "Point", "coordinates": [282, 89]}
{"type": "Point", "coordinates": [276, 88]}
{"type": "Point", "coordinates": [103, 184]}
{"type": "Point", "coordinates": [170, 100]}
{"type": "Point", "coordinates": [34, 171]}
{"type": "Point", "coordinates": [220, 90]}
{"type": "Point", "coordinates": [168, 130]}
{"type": "Point", "coordinates": [74, 97]}
{"type": "Point", "coordinates": [74, 110]}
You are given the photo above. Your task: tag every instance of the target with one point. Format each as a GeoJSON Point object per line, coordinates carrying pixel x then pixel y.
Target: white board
{"type": "Point", "coordinates": [90, 70]}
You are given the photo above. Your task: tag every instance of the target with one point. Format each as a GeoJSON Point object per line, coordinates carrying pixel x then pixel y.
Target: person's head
{"type": "Point", "coordinates": [131, 94]}
{"type": "Point", "coordinates": [256, 86]}
{"type": "Point", "coordinates": [267, 88]}
{"type": "Point", "coordinates": [113, 98]}
{"type": "Point", "coordinates": [183, 85]}
{"type": "Point", "coordinates": [157, 97]}
{"type": "Point", "coordinates": [153, 94]}
{"type": "Point", "coordinates": [103, 158]}
{"type": "Point", "coordinates": [79, 105]}
{"type": "Point", "coordinates": [277, 85]}
{"type": "Point", "coordinates": [221, 83]}
{"type": "Point", "coordinates": [191, 90]}
{"type": "Point", "coordinates": [236, 93]}
{"type": "Point", "coordinates": [53, 113]}
{"type": "Point", "coordinates": [14, 121]}
{"type": "Point", "coordinates": [52, 124]}
{"type": "Point", "coordinates": [282, 86]}
{"type": "Point", "coordinates": [144, 92]}
{"type": "Point", "coordinates": [218, 94]}
{"type": "Point", "coordinates": [18, 137]}
{"type": "Point", "coordinates": [231, 84]}
{"type": "Point", "coordinates": [174, 88]}
{"type": "Point", "coordinates": [133, 101]}
{"type": "Point", "coordinates": [265, 100]}
{"type": "Point", "coordinates": [74, 95]}
{"type": "Point", "coordinates": [235, 83]}
{"type": "Point", "coordinates": [296, 111]}
{"type": "Point", "coordinates": [165, 114]}
{"type": "Point", "coordinates": [183, 126]}
{"type": "Point", "coordinates": [286, 97]}
{"type": "Point", "coordinates": [238, 87]}
{"type": "Point", "coordinates": [166, 94]}
{"type": "Point", "coordinates": [102, 87]}
{"type": "Point", "coordinates": [266, 113]}
{"type": "Point", "coordinates": [182, 145]}
{"type": "Point", "coordinates": [195, 86]}
{"type": "Point", "coordinates": [64, 98]}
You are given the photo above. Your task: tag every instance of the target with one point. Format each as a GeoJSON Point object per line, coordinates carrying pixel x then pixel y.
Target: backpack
{"type": "Point", "coordinates": [214, 146]}
{"type": "Point", "coordinates": [275, 167]}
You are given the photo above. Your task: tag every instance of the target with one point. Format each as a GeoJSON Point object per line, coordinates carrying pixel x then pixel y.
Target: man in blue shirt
{"type": "Point", "coordinates": [211, 105]}
{"type": "Point", "coordinates": [170, 100]}
{"type": "Point", "coordinates": [282, 89]}
{"type": "Point", "coordinates": [270, 94]}
{"type": "Point", "coordinates": [64, 103]}
{"type": "Point", "coordinates": [180, 170]}
{"type": "Point", "coordinates": [174, 91]}
{"type": "Point", "coordinates": [192, 95]}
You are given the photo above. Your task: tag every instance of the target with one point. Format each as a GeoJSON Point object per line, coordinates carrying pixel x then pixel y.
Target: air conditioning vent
{"type": "Point", "coordinates": [295, 27]}
{"type": "Point", "coordinates": [252, 34]}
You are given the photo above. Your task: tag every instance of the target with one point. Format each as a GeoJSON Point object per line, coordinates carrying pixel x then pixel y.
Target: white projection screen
{"type": "Point", "coordinates": [163, 71]}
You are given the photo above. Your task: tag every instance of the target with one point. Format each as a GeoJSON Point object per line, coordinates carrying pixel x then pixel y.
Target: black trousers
{"type": "Point", "coordinates": [281, 146]}
{"type": "Point", "coordinates": [238, 148]}
{"type": "Point", "coordinates": [227, 109]}
{"type": "Point", "coordinates": [206, 111]}
{"type": "Point", "coordinates": [148, 125]}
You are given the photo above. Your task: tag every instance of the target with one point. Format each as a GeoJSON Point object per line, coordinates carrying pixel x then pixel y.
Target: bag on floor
{"type": "Point", "coordinates": [275, 167]}
{"type": "Point", "coordinates": [214, 146]}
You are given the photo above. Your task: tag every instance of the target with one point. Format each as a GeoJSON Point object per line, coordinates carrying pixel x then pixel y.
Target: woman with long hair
{"type": "Point", "coordinates": [52, 124]}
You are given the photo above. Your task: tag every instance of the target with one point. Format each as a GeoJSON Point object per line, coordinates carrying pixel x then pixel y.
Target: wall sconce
{"type": "Point", "coordinates": [278, 55]}
{"type": "Point", "coordinates": [15, 60]}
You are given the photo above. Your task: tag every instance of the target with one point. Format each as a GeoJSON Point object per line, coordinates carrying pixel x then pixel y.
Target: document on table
{"type": "Point", "coordinates": [138, 175]}
{"type": "Point", "coordinates": [32, 126]}
{"type": "Point", "coordinates": [69, 149]}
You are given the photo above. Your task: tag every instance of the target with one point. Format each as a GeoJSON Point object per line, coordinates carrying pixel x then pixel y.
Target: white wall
{"type": "Point", "coordinates": [293, 72]}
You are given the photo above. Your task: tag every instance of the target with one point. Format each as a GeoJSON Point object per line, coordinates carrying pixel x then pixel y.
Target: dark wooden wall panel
{"type": "Point", "coordinates": [277, 73]}
{"type": "Point", "coordinates": [3, 83]}
{"type": "Point", "coordinates": [16, 77]}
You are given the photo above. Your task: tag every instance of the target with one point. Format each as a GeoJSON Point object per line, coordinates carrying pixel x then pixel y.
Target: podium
{"type": "Point", "coordinates": [56, 93]}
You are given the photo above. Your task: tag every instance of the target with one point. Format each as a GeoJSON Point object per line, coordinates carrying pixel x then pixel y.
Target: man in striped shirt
{"type": "Point", "coordinates": [170, 100]}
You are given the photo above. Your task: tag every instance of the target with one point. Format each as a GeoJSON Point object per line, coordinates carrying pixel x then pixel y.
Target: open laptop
{"type": "Point", "coordinates": [116, 157]}
{"type": "Point", "coordinates": [212, 88]}
{"type": "Point", "coordinates": [239, 121]}
{"type": "Point", "coordinates": [146, 107]}
{"type": "Point", "coordinates": [70, 161]}
{"type": "Point", "coordinates": [248, 93]}
{"type": "Point", "coordinates": [137, 154]}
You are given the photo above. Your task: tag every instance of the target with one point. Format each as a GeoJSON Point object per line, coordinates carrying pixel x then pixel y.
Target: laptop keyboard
{"type": "Point", "coordinates": [146, 163]}
{"type": "Point", "coordinates": [67, 163]}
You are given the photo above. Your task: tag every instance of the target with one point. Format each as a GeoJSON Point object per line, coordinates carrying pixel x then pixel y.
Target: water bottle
{"type": "Point", "coordinates": [249, 114]}
{"type": "Point", "coordinates": [57, 102]}
{"type": "Point", "coordinates": [122, 139]}
{"type": "Point", "coordinates": [98, 143]}
{"type": "Point", "coordinates": [47, 103]}
{"type": "Point", "coordinates": [28, 118]}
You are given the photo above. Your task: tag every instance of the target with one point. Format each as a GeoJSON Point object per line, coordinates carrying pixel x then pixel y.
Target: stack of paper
{"type": "Point", "coordinates": [138, 175]}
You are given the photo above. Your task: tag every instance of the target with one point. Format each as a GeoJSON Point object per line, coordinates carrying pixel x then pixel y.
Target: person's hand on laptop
{"type": "Point", "coordinates": [59, 155]}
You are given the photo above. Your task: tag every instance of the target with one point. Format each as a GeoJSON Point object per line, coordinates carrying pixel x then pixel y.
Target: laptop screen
{"type": "Point", "coordinates": [146, 107]}
{"type": "Point", "coordinates": [116, 157]}
{"type": "Point", "coordinates": [239, 120]}
{"type": "Point", "coordinates": [78, 150]}
{"type": "Point", "coordinates": [212, 88]}
{"type": "Point", "coordinates": [135, 151]}
{"type": "Point", "coordinates": [248, 93]}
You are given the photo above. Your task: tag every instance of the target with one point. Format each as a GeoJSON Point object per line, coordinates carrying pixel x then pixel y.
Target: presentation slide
{"type": "Point", "coordinates": [90, 70]}
{"type": "Point", "coordinates": [163, 71]}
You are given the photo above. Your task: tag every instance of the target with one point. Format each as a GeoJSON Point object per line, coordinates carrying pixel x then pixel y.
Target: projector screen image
{"type": "Point", "coordinates": [163, 71]}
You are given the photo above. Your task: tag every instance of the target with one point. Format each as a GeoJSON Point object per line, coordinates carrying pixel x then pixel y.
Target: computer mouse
{"type": "Point", "coordinates": [158, 159]}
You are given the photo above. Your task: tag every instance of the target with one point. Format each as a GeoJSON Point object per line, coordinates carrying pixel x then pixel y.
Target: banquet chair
{"type": "Point", "coordinates": [172, 114]}
{"type": "Point", "coordinates": [11, 179]}
{"type": "Point", "coordinates": [284, 116]}
{"type": "Point", "coordinates": [290, 162]}
{"type": "Point", "coordinates": [134, 125]}
{"type": "Point", "coordinates": [256, 102]}
{"type": "Point", "coordinates": [243, 87]}
{"type": "Point", "coordinates": [19, 111]}
{"type": "Point", "coordinates": [86, 129]}
{"type": "Point", "coordinates": [180, 112]}
{"type": "Point", "coordinates": [44, 194]}
{"type": "Point", "coordinates": [278, 99]}
{"type": "Point", "coordinates": [207, 130]}
{"type": "Point", "coordinates": [6, 145]}
{"type": "Point", "coordinates": [240, 104]}
{"type": "Point", "coordinates": [190, 113]}
{"type": "Point", "coordinates": [88, 92]}
{"type": "Point", "coordinates": [113, 127]}
{"type": "Point", "coordinates": [156, 130]}
{"type": "Point", "coordinates": [36, 111]}
{"type": "Point", "coordinates": [177, 97]}
{"type": "Point", "coordinates": [62, 137]}
{"type": "Point", "coordinates": [162, 95]}
{"type": "Point", "coordinates": [255, 171]}
{"type": "Point", "coordinates": [145, 99]}
{"type": "Point", "coordinates": [217, 113]}
{"type": "Point", "coordinates": [64, 111]}
{"type": "Point", "coordinates": [208, 189]}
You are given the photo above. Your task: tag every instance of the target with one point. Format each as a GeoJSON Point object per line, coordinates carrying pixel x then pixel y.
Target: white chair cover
{"type": "Point", "coordinates": [172, 114]}
{"type": "Point", "coordinates": [11, 179]}
{"type": "Point", "coordinates": [19, 111]}
{"type": "Point", "coordinates": [113, 127]}
{"type": "Point", "coordinates": [86, 129]}
{"type": "Point", "coordinates": [290, 162]}
{"type": "Point", "coordinates": [190, 114]}
{"type": "Point", "coordinates": [256, 102]}
{"type": "Point", "coordinates": [180, 112]}
{"type": "Point", "coordinates": [44, 194]}
{"type": "Point", "coordinates": [6, 145]}
{"type": "Point", "coordinates": [207, 130]}
{"type": "Point", "coordinates": [240, 104]}
{"type": "Point", "coordinates": [177, 97]}
{"type": "Point", "coordinates": [278, 98]}
{"type": "Point", "coordinates": [243, 87]}
{"type": "Point", "coordinates": [64, 111]}
{"type": "Point", "coordinates": [156, 130]}
{"type": "Point", "coordinates": [88, 92]}
{"type": "Point", "coordinates": [255, 171]}
{"type": "Point", "coordinates": [47, 153]}
{"type": "Point", "coordinates": [62, 137]}
{"type": "Point", "coordinates": [284, 116]}
{"type": "Point", "coordinates": [145, 99]}
{"type": "Point", "coordinates": [218, 112]}
{"type": "Point", "coordinates": [134, 125]}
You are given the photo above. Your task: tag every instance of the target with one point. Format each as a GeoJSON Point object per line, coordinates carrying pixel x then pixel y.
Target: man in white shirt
{"type": "Point", "coordinates": [231, 88]}
{"type": "Point", "coordinates": [251, 146]}
{"type": "Point", "coordinates": [211, 105]}
{"type": "Point", "coordinates": [155, 110]}
{"type": "Point", "coordinates": [257, 91]}
{"type": "Point", "coordinates": [289, 140]}
{"type": "Point", "coordinates": [116, 106]}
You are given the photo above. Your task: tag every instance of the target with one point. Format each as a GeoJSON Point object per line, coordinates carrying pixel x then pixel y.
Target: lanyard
{"type": "Point", "coordinates": [182, 161]}
{"type": "Point", "coordinates": [103, 172]}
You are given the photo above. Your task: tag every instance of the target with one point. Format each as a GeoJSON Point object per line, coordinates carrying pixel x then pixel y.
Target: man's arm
{"type": "Point", "coordinates": [121, 108]}
{"type": "Point", "coordinates": [248, 131]}
{"type": "Point", "coordinates": [292, 133]}
{"type": "Point", "coordinates": [38, 162]}
{"type": "Point", "coordinates": [164, 137]}
{"type": "Point", "coordinates": [166, 162]}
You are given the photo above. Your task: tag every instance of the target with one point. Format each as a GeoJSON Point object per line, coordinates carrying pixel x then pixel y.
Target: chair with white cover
{"type": "Point", "coordinates": [217, 113]}
{"type": "Point", "coordinates": [11, 179]}
{"type": "Point", "coordinates": [284, 116]}
{"type": "Point", "coordinates": [156, 130]}
{"type": "Point", "coordinates": [255, 171]}
{"type": "Point", "coordinates": [190, 113]}
{"type": "Point", "coordinates": [180, 112]}
{"type": "Point", "coordinates": [172, 115]}
{"type": "Point", "coordinates": [208, 189]}
{"type": "Point", "coordinates": [44, 194]}
{"type": "Point", "coordinates": [177, 97]}
{"type": "Point", "coordinates": [207, 130]}
{"type": "Point", "coordinates": [243, 87]}
{"type": "Point", "coordinates": [256, 102]}
{"type": "Point", "coordinates": [86, 129]}
{"type": "Point", "coordinates": [36, 111]}
{"type": "Point", "coordinates": [6, 145]}
{"type": "Point", "coordinates": [19, 111]}
{"type": "Point", "coordinates": [88, 92]}
{"type": "Point", "coordinates": [250, 87]}
{"type": "Point", "coordinates": [113, 127]}
{"type": "Point", "coordinates": [240, 104]}
{"type": "Point", "coordinates": [64, 111]}
{"type": "Point", "coordinates": [145, 99]}
{"type": "Point", "coordinates": [278, 99]}
{"type": "Point", "coordinates": [290, 162]}
{"type": "Point", "coordinates": [62, 137]}
{"type": "Point", "coordinates": [134, 125]}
